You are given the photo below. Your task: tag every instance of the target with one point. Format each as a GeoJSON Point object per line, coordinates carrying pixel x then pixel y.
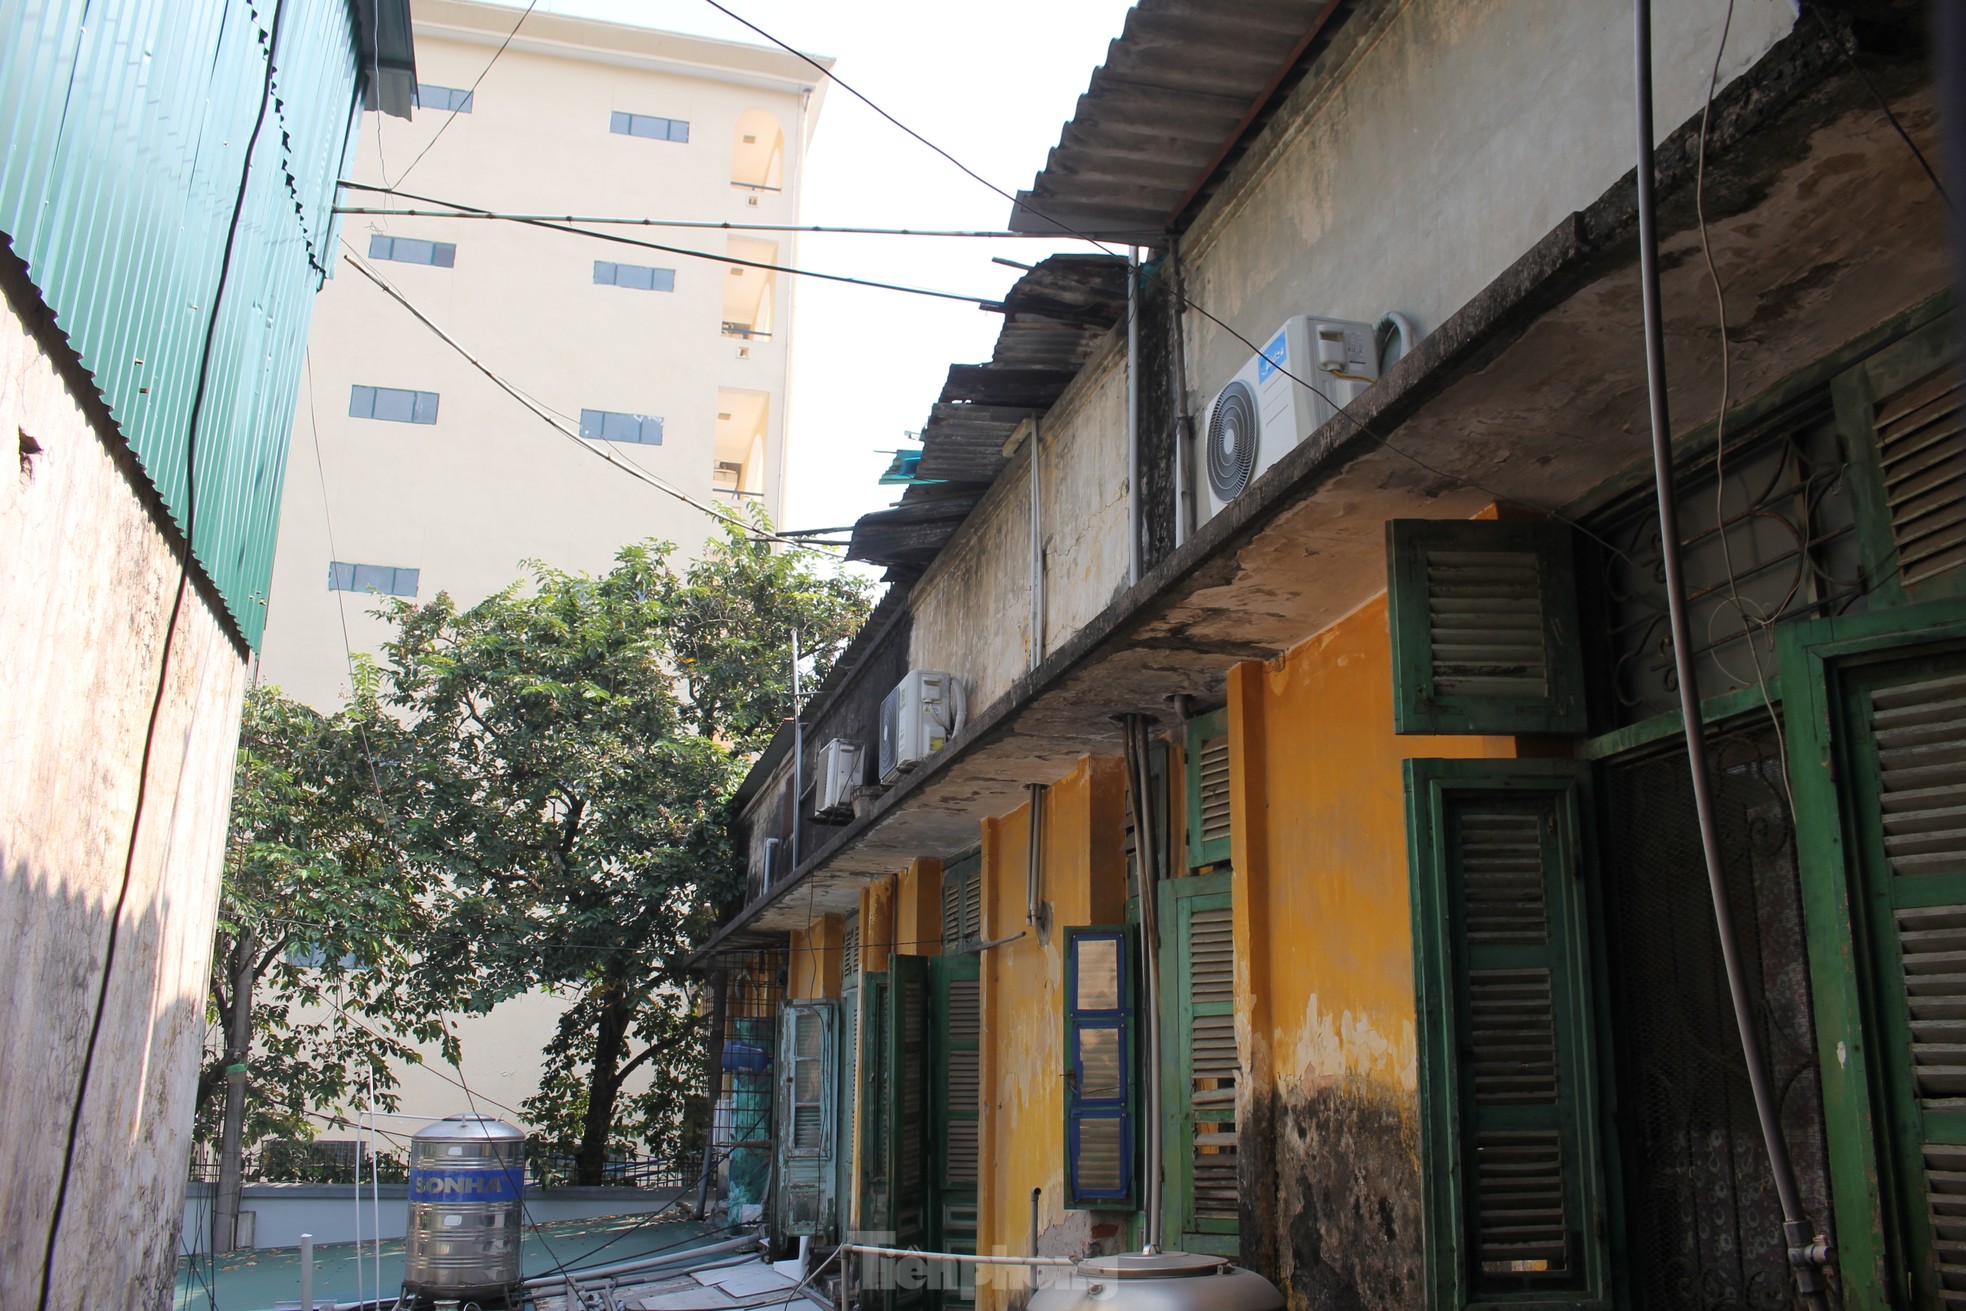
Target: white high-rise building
{"type": "Point", "coordinates": [410, 472]}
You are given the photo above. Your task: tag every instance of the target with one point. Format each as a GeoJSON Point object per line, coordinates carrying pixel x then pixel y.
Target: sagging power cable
{"type": "Point", "coordinates": [553, 225]}
{"type": "Point", "coordinates": [634, 470]}
{"type": "Point", "coordinates": [1805, 1248]}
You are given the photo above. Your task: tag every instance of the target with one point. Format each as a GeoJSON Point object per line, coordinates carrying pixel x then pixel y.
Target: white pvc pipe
{"type": "Point", "coordinates": [961, 1258]}
{"type": "Point", "coordinates": [307, 1272]}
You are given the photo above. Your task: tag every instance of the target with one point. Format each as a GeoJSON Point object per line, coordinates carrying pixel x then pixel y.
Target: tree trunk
{"type": "Point", "coordinates": [604, 1085]}
{"type": "Point", "coordinates": [238, 1040]}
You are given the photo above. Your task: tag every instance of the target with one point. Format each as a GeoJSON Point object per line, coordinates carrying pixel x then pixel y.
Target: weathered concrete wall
{"type": "Point", "coordinates": [971, 612]}
{"type": "Point", "coordinates": [1084, 496]}
{"type": "Point", "coordinates": [1450, 142]}
{"type": "Point", "coordinates": [90, 581]}
{"type": "Point", "coordinates": [1325, 1017]}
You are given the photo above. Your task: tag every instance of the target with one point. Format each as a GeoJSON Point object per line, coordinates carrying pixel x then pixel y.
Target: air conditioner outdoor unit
{"type": "Point", "coordinates": [1264, 411]}
{"type": "Point", "coordinates": [921, 714]}
{"type": "Point", "coordinates": [838, 771]}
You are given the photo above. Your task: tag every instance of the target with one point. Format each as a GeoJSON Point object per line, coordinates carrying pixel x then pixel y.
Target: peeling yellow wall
{"type": "Point", "coordinates": [918, 909]}
{"type": "Point", "coordinates": [1324, 985]}
{"type": "Point", "coordinates": [1023, 1060]}
{"type": "Point", "coordinates": [876, 925]}
{"type": "Point", "coordinates": [815, 967]}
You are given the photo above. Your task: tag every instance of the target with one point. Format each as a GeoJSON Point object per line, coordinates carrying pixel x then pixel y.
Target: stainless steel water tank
{"type": "Point", "coordinates": [1166, 1281]}
{"type": "Point", "coordinates": [467, 1198]}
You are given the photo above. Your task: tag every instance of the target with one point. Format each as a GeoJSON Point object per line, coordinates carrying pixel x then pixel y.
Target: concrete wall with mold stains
{"type": "Point", "coordinates": [1328, 1107]}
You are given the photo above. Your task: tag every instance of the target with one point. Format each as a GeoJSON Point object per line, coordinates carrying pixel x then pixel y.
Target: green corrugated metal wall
{"type": "Point", "coordinates": [126, 124]}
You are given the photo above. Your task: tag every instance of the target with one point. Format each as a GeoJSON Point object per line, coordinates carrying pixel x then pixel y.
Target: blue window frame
{"type": "Point", "coordinates": [1099, 1055]}
{"type": "Point", "coordinates": [392, 404]}
{"type": "Point", "coordinates": [410, 250]}
{"type": "Point", "coordinates": [648, 125]}
{"type": "Point", "coordinates": [615, 426]}
{"type": "Point", "coordinates": [431, 96]}
{"type": "Point", "coordinates": [386, 579]}
{"type": "Point", "coordinates": [639, 277]}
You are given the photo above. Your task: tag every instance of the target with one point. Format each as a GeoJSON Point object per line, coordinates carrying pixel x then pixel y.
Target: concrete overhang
{"type": "Point", "coordinates": [1822, 224]}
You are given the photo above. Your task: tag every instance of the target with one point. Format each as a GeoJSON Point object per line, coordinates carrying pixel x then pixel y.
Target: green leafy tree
{"type": "Point", "coordinates": [314, 986]}
{"type": "Point", "coordinates": [566, 755]}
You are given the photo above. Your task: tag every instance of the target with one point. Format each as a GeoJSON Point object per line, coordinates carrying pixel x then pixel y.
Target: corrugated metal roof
{"type": "Point", "coordinates": [126, 129]}
{"type": "Point", "coordinates": [1054, 317]}
{"type": "Point", "coordinates": [1181, 89]}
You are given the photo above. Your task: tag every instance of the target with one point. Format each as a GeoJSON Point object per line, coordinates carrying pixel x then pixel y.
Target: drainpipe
{"type": "Point", "coordinates": [1135, 548]}
{"type": "Point", "coordinates": [1147, 864]}
{"type": "Point", "coordinates": [1184, 424]}
{"type": "Point", "coordinates": [1807, 1251]}
{"type": "Point", "coordinates": [1037, 547]}
{"type": "Point", "coordinates": [1034, 908]}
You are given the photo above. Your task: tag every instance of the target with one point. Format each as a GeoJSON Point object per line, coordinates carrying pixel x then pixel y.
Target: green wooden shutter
{"type": "Point", "coordinates": [1904, 424]}
{"type": "Point", "coordinates": [1200, 1067]}
{"type": "Point", "coordinates": [1907, 722]}
{"type": "Point", "coordinates": [872, 1110]}
{"type": "Point", "coordinates": [907, 1104]}
{"type": "Point", "coordinates": [962, 904]}
{"type": "Point", "coordinates": [807, 1136]}
{"type": "Point", "coordinates": [1484, 627]}
{"type": "Point", "coordinates": [1208, 789]}
{"type": "Point", "coordinates": [1511, 1157]}
{"type": "Point", "coordinates": [955, 1065]}
{"type": "Point", "coordinates": [846, 1103]}
{"type": "Point", "coordinates": [1100, 1064]}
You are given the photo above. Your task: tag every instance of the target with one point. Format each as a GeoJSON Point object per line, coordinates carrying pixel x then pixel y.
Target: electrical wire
{"type": "Point", "coordinates": [552, 225]}
{"type": "Point", "coordinates": [1765, 623]}
{"type": "Point", "coordinates": [200, 390]}
{"type": "Point", "coordinates": [634, 470]}
{"type": "Point", "coordinates": [710, 225]}
{"type": "Point", "coordinates": [1358, 425]}
{"type": "Point", "coordinates": [442, 127]}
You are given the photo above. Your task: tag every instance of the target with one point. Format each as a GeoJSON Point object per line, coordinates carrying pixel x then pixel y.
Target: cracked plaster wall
{"type": "Point", "coordinates": [90, 581]}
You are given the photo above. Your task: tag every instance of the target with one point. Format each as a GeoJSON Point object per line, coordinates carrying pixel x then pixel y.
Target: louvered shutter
{"type": "Point", "coordinates": [806, 1120]}
{"type": "Point", "coordinates": [873, 1108]}
{"type": "Point", "coordinates": [1100, 1063]}
{"type": "Point", "coordinates": [846, 1102]}
{"type": "Point", "coordinates": [850, 952]}
{"type": "Point", "coordinates": [955, 1056]}
{"type": "Point", "coordinates": [1511, 1154]}
{"type": "Point", "coordinates": [907, 1112]}
{"type": "Point", "coordinates": [1909, 721]}
{"type": "Point", "coordinates": [1484, 626]}
{"type": "Point", "coordinates": [1904, 422]}
{"type": "Point", "coordinates": [962, 904]}
{"type": "Point", "coordinates": [1208, 789]}
{"type": "Point", "coordinates": [1201, 1067]}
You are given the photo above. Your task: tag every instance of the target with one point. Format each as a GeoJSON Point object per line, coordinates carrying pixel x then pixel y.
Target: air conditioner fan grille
{"type": "Point", "coordinates": [1232, 441]}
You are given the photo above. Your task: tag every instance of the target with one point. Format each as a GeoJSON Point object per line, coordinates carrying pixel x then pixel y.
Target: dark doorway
{"type": "Point", "coordinates": [1702, 1225]}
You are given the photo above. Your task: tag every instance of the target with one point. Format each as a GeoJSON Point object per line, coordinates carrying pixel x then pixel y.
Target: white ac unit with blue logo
{"type": "Point", "coordinates": [1308, 370]}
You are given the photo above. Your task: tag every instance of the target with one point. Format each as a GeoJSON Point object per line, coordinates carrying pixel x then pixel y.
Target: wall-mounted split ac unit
{"type": "Point", "coordinates": [839, 770]}
{"type": "Point", "coordinates": [1266, 409]}
{"type": "Point", "coordinates": [918, 717]}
